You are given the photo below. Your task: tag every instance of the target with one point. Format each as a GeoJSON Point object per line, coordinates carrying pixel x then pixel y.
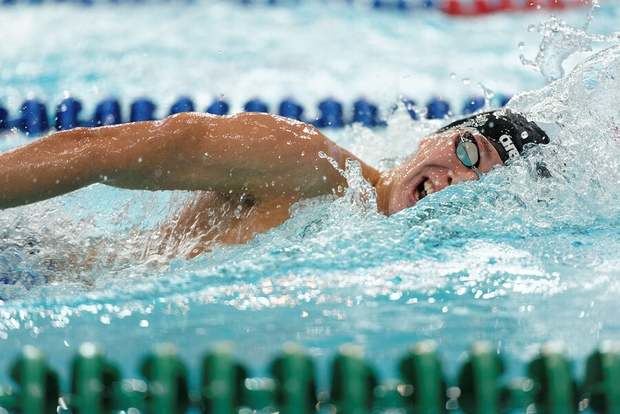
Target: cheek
{"type": "Point", "coordinates": [459, 175]}
{"type": "Point", "coordinates": [489, 163]}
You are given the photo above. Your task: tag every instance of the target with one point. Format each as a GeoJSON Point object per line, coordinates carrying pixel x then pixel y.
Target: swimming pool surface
{"type": "Point", "coordinates": [511, 258]}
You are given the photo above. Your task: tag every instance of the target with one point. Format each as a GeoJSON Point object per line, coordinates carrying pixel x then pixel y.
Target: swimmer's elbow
{"type": "Point", "coordinates": [178, 123]}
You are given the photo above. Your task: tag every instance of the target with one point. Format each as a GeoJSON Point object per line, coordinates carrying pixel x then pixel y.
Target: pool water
{"type": "Point", "coordinates": [512, 258]}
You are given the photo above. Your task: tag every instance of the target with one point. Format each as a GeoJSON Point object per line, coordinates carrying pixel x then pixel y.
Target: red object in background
{"type": "Point", "coordinates": [482, 7]}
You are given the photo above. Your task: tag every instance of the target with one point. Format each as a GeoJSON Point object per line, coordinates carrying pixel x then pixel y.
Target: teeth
{"type": "Point", "coordinates": [428, 187]}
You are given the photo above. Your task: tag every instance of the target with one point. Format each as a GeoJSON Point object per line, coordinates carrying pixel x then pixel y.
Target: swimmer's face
{"type": "Point", "coordinates": [433, 167]}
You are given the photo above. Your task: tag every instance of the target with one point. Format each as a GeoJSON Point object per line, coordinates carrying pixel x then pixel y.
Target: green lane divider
{"type": "Point", "coordinates": [225, 386]}
{"type": "Point", "coordinates": [602, 379]}
{"type": "Point", "coordinates": [39, 389]}
{"type": "Point", "coordinates": [167, 381]}
{"type": "Point", "coordinates": [421, 369]}
{"type": "Point", "coordinates": [222, 382]}
{"type": "Point", "coordinates": [353, 382]}
{"type": "Point", "coordinates": [294, 376]}
{"type": "Point", "coordinates": [555, 391]}
{"type": "Point", "coordinates": [479, 381]}
{"type": "Point", "coordinates": [92, 382]}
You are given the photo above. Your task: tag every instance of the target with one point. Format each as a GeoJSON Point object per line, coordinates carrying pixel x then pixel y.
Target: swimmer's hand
{"type": "Point", "coordinates": [261, 155]}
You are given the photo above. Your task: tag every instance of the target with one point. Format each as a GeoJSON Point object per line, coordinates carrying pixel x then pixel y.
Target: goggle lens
{"type": "Point", "coordinates": [467, 150]}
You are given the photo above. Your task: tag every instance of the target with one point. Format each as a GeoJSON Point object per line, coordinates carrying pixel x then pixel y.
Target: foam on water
{"type": "Point", "coordinates": [512, 258]}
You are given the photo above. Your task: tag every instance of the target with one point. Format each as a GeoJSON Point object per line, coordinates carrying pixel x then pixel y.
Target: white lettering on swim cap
{"type": "Point", "coordinates": [509, 146]}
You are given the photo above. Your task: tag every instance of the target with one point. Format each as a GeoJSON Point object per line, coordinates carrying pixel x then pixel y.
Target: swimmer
{"type": "Point", "coordinates": [248, 169]}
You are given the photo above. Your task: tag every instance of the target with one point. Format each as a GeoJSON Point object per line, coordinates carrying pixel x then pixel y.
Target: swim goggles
{"type": "Point", "coordinates": [467, 151]}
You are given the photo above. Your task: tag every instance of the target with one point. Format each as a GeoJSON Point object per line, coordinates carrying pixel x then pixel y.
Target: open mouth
{"type": "Point", "coordinates": [424, 188]}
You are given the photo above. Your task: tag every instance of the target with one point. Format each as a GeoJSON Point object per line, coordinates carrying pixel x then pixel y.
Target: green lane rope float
{"type": "Point", "coordinates": [38, 384]}
{"type": "Point", "coordinates": [222, 382]}
{"type": "Point", "coordinates": [293, 372]}
{"type": "Point", "coordinates": [479, 381]}
{"type": "Point", "coordinates": [555, 391]}
{"type": "Point", "coordinates": [353, 382]}
{"type": "Point", "coordinates": [93, 382]}
{"type": "Point", "coordinates": [225, 386]}
{"type": "Point", "coordinates": [421, 369]}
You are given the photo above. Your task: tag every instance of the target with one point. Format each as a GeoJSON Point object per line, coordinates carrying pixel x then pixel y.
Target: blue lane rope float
{"type": "Point", "coordinates": [473, 104]}
{"type": "Point", "coordinates": [142, 109]}
{"type": "Point", "coordinates": [437, 108]}
{"type": "Point", "coordinates": [331, 114]}
{"type": "Point", "coordinates": [107, 112]}
{"type": "Point", "coordinates": [67, 114]}
{"type": "Point", "coordinates": [4, 117]}
{"type": "Point", "coordinates": [183, 104]}
{"type": "Point", "coordinates": [218, 107]}
{"type": "Point", "coordinates": [33, 114]}
{"type": "Point", "coordinates": [410, 106]}
{"type": "Point", "coordinates": [34, 119]}
{"type": "Point", "coordinates": [291, 109]}
{"type": "Point", "coordinates": [256, 105]}
{"type": "Point", "coordinates": [366, 113]}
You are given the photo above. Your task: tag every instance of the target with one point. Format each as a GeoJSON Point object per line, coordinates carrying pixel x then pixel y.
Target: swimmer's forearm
{"type": "Point", "coordinates": [51, 166]}
{"type": "Point", "coordinates": [66, 161]}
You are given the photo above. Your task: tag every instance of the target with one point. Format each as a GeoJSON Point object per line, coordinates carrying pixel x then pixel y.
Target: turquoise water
{"type": "Point", "coordinates": [510, 258]}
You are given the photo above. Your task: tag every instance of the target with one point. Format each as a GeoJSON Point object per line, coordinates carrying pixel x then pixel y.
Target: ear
{"type": "Point", "coordinates": [542, 171]}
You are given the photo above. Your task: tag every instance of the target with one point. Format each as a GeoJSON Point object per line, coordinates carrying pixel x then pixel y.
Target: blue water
{"type": "Point", "coordinates": [510, 258]}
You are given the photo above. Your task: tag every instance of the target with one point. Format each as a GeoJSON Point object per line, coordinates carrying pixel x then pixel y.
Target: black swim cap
{"type": "Point", "coordinates": [509, 132]}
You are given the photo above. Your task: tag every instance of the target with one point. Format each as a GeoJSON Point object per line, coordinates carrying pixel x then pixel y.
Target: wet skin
{"type": "Point", "coordinates": [246, 170]}
{"type": "Point", "coordinates": [433, 167]}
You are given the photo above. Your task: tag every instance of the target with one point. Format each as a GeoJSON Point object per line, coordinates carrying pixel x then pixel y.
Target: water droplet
{"type": "Point", "coordinates": [524, 134]}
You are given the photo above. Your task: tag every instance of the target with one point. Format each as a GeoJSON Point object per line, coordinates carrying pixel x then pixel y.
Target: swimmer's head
{"type": "Point", "coordinates": [460, 151]}
{"type": "Point", "coordinates": [509, 132]}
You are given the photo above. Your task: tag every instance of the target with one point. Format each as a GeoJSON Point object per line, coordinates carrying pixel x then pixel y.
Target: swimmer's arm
{"type": "Point", "coordinates": [254, 153]}
{"type": "Point", "coordinates": [51, 166]}
{"type": "Point", "coordinates": [258, 154]}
